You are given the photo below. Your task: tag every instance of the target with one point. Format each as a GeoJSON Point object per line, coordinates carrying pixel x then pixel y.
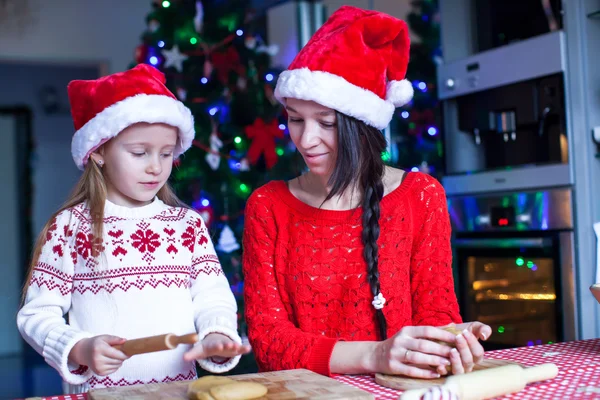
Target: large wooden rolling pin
{"type": "Point", "coordinates": [155, 343]}
{"type": "Point", "coordinates": [490, 383]}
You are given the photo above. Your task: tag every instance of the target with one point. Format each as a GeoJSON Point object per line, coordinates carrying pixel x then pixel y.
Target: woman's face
{"type": "Point", "coordinates": [313, 129]}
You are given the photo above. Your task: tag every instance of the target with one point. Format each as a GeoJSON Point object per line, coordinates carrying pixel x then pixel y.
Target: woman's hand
{"type": "Point", "coordinates": [469, 351]}
{"type": "Point", "coordinates": [98, 354]}
{"type": "Point", "coordinates": [216, 345]}
{"type": "Point", "coordinates": [413, 351]}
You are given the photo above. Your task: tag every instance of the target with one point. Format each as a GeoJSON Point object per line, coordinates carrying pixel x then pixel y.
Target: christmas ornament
{"type": "Point", "coordinates": [199, 17]}
{"type": "Point", "coordinates": [227, 241]}
{"type": "Point", "coordinates": [250, 42]}
{"type": "Point", "coordinates": [242, 84]}
{"type": "Point", "coordinates": [263, 135]}
{"type": "Point", "coordinates": [244, 165]}
{"type": "Point", "coordinates": [271, 50]}
{"type": "Point", "coordinates": [181, 93]}
{"type": "Point", "coordinates": [225, 62]}
{"type": "Point", "coordinates": [208, 68]}
{"type": "Point", "coordinates": [213, 158]}
{"type": "Point", "coordinates": [141, 54]}
{"type": "Point", "coordinates": [174, 58]}
{"type": "Point", "coordinates": [207, 213]}
{"type": "Point", "coordinates": [153, 25]}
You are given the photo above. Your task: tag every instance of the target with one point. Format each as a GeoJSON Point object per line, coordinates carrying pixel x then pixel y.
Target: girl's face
{"type": "Point", "coordinates": [138, 162]}
{"type": "Point", "coordinates": [313, 129]}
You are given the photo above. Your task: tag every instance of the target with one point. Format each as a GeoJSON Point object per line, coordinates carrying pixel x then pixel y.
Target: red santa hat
{"type": "Point", "coordinates": [103, 107]}
{"type": "Point", "coordinates": [355, 64]}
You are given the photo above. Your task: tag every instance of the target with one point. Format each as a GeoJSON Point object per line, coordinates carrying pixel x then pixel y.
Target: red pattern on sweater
{"type": "Point", "coordinates": [305, 276]}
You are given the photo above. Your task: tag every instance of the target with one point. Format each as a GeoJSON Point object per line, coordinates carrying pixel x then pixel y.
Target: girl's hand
{"type": "Point", "coordinates": [98, 354]}
{"type": "Point", "coordinates": [413, 350]}
{"type": "Point", "coordinates": [469, 351]}
{"type": "Point", "coordinates": [216, 344]}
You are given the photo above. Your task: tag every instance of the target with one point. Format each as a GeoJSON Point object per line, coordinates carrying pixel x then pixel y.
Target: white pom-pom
{"type": "Point", "coordinates": [378, 301]}
{"type": "Point", "coordinates": [399, 93]}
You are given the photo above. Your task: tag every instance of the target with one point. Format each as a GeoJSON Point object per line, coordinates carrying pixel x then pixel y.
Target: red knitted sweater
{"type": "Point", "coordinates": [306, 285]}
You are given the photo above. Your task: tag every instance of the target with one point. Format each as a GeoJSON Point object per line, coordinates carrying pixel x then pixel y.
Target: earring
{"type": "Point", "coordinates": [100, 163]}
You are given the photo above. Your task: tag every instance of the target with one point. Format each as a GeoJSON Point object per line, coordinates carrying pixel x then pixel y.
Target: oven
{"type": "Point", "coordinates": [513, 265]}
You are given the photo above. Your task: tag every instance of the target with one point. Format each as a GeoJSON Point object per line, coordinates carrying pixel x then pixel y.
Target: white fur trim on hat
{"type": "Point", "coordinates": [399, 93]}
{"type": "Point", "coordinates": [335, 92]}
{"type": "Point", "coordinates": [139, 108]}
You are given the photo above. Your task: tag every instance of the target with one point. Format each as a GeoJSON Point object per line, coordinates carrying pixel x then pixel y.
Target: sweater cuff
{"type": "Point", "coordinates": [320, 356]}
{"type": "Point", "coordinates": [57, 346]}
{"type": "Point", "coordinates": [223, 326]}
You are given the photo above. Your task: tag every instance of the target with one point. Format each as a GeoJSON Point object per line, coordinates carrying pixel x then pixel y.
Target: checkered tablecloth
{"type": "Point", "coordinates": [578, 372]}
{"type": "Point", "coordinates": [578, 377]}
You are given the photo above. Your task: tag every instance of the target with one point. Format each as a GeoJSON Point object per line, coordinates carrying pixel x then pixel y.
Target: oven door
{"type": "Point", "coordinates": [513, 284]}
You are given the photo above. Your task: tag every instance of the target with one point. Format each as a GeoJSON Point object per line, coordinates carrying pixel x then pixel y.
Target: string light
{"type": "Point", "coordinates": [193, 40]}
{"type": "Point", "coordinates": [432, 131]}
{"type": "Point", "coordinates": [405, 114]}
{"type": "Point", "coordinates": [279, 151]}
{"type": "Point", "coordinates": [153, 60]}
{"type": "Point", "coordinates": [237, 140]}
{"type": "Point", "coordinates": [161, 44]}
{"type": "Point", "coordinates": [520, 262]}
{"type": "Point", "coordinates": [166, 4]}
{"type": "Point", "coordinates": [269, 77]}
{"type": "Point", "coordinates": [282, 127]}
{"type": "Point", "coordinates": [204, 81]}
{"type": "Point", "coordinates": [244, 188]}
{"type": "Point", "coordinates": [239, 32]}
{"type": "Point", "coordinates": [213, 111]}
{"type": "Point", "coordinates": [205, 202]}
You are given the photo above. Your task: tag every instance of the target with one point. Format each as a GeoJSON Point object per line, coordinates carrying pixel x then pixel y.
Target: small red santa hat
{"type": "Point", "coordinates": [355, 64]}
{"type": "Point", "coordinates": [103, 107]}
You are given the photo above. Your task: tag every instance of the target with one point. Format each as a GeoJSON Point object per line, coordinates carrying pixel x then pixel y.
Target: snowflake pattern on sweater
{"type": "Point", "coordinates": [154, 271]}
{"type": "Point", "coordinates": [306, 281]}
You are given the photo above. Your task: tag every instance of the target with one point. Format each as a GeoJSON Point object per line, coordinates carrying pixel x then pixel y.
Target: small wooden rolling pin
{"type": "Point", "coordinates": [155, 343]}
{"type": "Point", "coordinates": [490, 383]}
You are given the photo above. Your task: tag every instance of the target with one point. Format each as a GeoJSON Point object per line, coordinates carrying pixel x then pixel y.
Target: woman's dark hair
{"type": "Point", "coordinates": [359, 151]}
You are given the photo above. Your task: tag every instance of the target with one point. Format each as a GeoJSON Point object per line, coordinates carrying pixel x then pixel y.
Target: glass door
{"type": "Point", "coordinates": [512, 285]}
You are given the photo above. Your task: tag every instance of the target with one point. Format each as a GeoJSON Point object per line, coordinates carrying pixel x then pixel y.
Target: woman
{"type": "Point", "coordinates": [348, 267]}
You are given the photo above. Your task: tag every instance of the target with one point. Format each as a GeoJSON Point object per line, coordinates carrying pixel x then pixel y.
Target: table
{"type": "Point", "coordinates": [578, 377]}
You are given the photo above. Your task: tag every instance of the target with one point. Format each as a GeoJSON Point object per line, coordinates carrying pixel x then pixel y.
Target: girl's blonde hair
{"type": "Point", "coordinates": [90, 188]}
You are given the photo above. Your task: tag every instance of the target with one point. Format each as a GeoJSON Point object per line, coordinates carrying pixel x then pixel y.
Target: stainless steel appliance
{"type": "Point", "coordinates": [513, 260]}
{"type": "Point", "coordinates": [505, 119]}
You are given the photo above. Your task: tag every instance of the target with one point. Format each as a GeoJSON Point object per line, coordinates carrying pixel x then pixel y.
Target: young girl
{"type": "Point", "coordinates": [348, 267]}
{"type": "Point", "coordinates": [124, 258]}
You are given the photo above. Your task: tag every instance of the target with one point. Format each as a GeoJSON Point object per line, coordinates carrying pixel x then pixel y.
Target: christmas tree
{"type": "Point", "coordinates": [216, 61]}
{"type": "Point", "coordinates": [416, 138]}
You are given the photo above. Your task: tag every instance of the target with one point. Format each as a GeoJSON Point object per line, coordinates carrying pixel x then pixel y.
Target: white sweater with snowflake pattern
{"type": "Point", "coordinates": [157, 273]}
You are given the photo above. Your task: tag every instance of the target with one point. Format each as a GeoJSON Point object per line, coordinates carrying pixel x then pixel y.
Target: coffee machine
{"type": "Point", "coordinates": [504, 117]}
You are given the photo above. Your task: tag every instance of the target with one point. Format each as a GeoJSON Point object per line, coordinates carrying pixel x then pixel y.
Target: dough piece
{"type": "Point", "coordinates": [238, 391]}
{"type": "Point", "coordinates": [198, 389]}
{"type": "Point", "coordinates": [451, 329]}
